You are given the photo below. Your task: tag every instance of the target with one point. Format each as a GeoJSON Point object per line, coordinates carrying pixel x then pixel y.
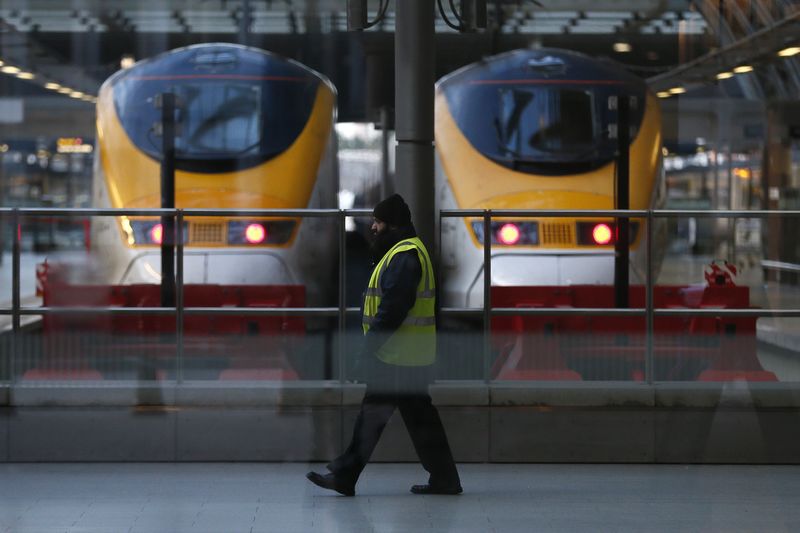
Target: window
{"type": "Point", "coordinates": [545, 121]}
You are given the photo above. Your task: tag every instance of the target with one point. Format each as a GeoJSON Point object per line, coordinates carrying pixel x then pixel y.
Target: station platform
{"type": "Point", "coordinates": [257, 497]}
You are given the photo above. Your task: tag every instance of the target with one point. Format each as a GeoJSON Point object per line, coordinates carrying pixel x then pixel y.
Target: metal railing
{"type": "Point", "coordinates": [649, 311]}
{"type": "Point", "coordinates": [780, 265]}
{"type": "Point", "coordinates": [341, 311]}
{"type": "Point", "coordinates": [17, 311]}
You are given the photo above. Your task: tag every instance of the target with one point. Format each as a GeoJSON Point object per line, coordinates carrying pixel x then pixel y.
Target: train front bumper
{"type": "Point", "coordinates": [522, 270]}
{"type": "Point", "coordinates": [243, 267]}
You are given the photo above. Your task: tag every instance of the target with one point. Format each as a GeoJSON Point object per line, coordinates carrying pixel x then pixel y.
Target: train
{"type": "Point", "coordinates": [534, 129]}
{"type": "Point", "coordinates": [538, 129]}
{"type": "Point", "coordinates": [254, 130]}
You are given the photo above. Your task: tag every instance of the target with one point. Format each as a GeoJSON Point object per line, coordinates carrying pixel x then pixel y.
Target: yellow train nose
{"type": "Point", "coordinates": [548, 200]}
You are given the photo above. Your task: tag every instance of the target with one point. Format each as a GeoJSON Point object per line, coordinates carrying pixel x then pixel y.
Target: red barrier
{"type": "Point", "coordinates": [239, 346]}
{"type": "Point", "coordinates": [602, 347]}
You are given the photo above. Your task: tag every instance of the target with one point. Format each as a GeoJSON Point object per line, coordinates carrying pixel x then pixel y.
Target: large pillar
{"type": "Point", "coordinates": [779, 184]}
{"type": "Point", "coordinates": [414, 79]}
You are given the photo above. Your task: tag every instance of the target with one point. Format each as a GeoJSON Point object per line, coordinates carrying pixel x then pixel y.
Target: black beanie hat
{"type": "Point", "coordinates": [394, 211]}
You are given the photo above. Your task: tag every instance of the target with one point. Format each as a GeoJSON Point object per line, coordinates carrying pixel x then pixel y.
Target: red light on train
{"type": "Point", "coordinates": [509, 234]}
{"type": "Point", "coordinates": [157, 233]}
{"type": "Point", "coordinates": [255, 233]}
{"type": "Point", "coordinates": [602, 234]}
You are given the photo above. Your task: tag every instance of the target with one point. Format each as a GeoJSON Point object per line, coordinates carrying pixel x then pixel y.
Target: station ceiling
{"type": "Point", "coordinates": [301, 16]}
{"type": "Point", "coordinates": [79, 43]}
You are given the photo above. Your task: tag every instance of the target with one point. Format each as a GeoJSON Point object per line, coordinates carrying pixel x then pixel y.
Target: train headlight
{"type": "Point", "coordinates": [156, 234]}
{"type": "Point", "coordinates": [601, 234]}
{"type": "Point", "coordinates": [255, 233]}
{"type": "Point", "coordinates": [260, 232]}
{"type": "Point", "coordinates": [506, 233]}
{"type": "Point", "coordinates": [147, 232]}
{"type": "Point", "coordinates": [509, 234]}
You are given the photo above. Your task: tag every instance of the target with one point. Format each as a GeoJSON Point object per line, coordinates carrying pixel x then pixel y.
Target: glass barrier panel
{"type": "Point", "coordinates": [774, 284]}
{"type": "Point", "coordinates": [539, 263]}
{"type": "Point", "coordinates": [89, 262]}
{"type": "Point", "coordinates": [728, 263]}
{"type": "Point", "coordinates": [568, 348]}
{"type": "Point", "coordinates": [460, 349]}
{"type": "Point", "coordinates": [6, 245]}
{"type": "Point", "coordinates": [361, 258]}
{"type": "Point", "coordinates": [6, 294]}
{"type": "Point", "coordinates": [258, 263]}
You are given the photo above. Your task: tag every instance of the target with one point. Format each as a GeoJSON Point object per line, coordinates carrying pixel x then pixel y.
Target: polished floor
{"type": "Point", "coordinates": [257, 497]}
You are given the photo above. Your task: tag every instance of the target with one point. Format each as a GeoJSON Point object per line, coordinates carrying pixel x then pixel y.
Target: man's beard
{"type": "Point", "coordinates": [382, 243]}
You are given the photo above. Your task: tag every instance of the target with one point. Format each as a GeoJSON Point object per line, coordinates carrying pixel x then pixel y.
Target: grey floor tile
{"type": "Point", "coordinates": [257, 498]}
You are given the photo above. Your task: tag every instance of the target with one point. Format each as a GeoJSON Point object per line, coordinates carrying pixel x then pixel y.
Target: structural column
{"type": "Point", "coordinates": [414, 80]}
{"type": "Point", "coordinates": [783, 119]}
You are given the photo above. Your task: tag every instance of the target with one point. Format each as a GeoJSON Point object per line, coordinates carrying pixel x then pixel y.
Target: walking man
{"type": "Point", "coordinates": [396, 358]}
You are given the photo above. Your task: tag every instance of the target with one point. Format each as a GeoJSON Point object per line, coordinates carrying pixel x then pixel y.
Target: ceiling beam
{"type": "Point", "coordinates": [759, 47]}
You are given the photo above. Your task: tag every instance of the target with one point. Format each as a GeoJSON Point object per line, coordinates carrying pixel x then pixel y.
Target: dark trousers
{"type": "Point", "coordinates": [424, 426]}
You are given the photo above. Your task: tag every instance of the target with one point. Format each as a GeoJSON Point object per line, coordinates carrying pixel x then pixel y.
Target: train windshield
{"type": "Point", "coordinates": [223, 122]}
{"type": "Point", "coordinates": [542, 127]}
{"type": "Point", "coordinates": [219, 119]}
{"type": "Point", "coordinates": [536, 122]}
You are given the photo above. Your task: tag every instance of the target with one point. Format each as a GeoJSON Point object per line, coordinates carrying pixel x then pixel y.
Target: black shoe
{"type": "Point", "coordinates": [330, 482]}
{"type": "Point", "coordinates": [437, 489]}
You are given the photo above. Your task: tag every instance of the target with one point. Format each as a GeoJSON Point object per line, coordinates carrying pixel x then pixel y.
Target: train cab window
{"type": "Point", "coordinates": [538, 125]}
{"type": "Point", "coordinates": [219, 119]}
{"type": "Point", "coordinates": [531, 121]}
{"type": "Point", "coordinates": [242, 112]}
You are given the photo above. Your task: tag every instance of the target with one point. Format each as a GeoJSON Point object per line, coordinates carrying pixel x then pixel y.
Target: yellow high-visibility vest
{"type": "Point", "coordinates": [414, 342]}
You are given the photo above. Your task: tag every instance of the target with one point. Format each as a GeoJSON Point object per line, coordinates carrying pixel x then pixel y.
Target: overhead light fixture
{"type": "Point", "coordinates": [789, 52]}
{"type": "Point", "coordinates": [724, 75]}
{"type": "Point", "coordinates": [76, 94]}
{"type": "Point", "coordinates": [677, 90]}
{"type": "Point", "coordinates": [25, 75]}
{"type": "Point", "coordinates": [52, 86]}
{"type": "Point", "coordinates": [127, 61]}
{"type": "Point", "coordinates": [663, 94]}
{"type": "Point", "coordinates": [10, 70]}
{"type": "Point", "coordinates": [742, 69]}
{"type": "Point", "coordinates": [622, 47]}
{"type": "Point", "coordinates": [64, 90]}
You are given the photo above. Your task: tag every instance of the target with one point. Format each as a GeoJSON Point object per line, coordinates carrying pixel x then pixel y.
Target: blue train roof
{"type": "Point", "coordinates": [540, 64]}
{"type": "Point", "coordinates": [224, 60]}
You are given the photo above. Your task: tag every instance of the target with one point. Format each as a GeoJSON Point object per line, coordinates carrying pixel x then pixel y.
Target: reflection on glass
{"type": "Point", "coordinates": [533, 122]}
{"type": "Point", "coordinates": [219, 119]}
